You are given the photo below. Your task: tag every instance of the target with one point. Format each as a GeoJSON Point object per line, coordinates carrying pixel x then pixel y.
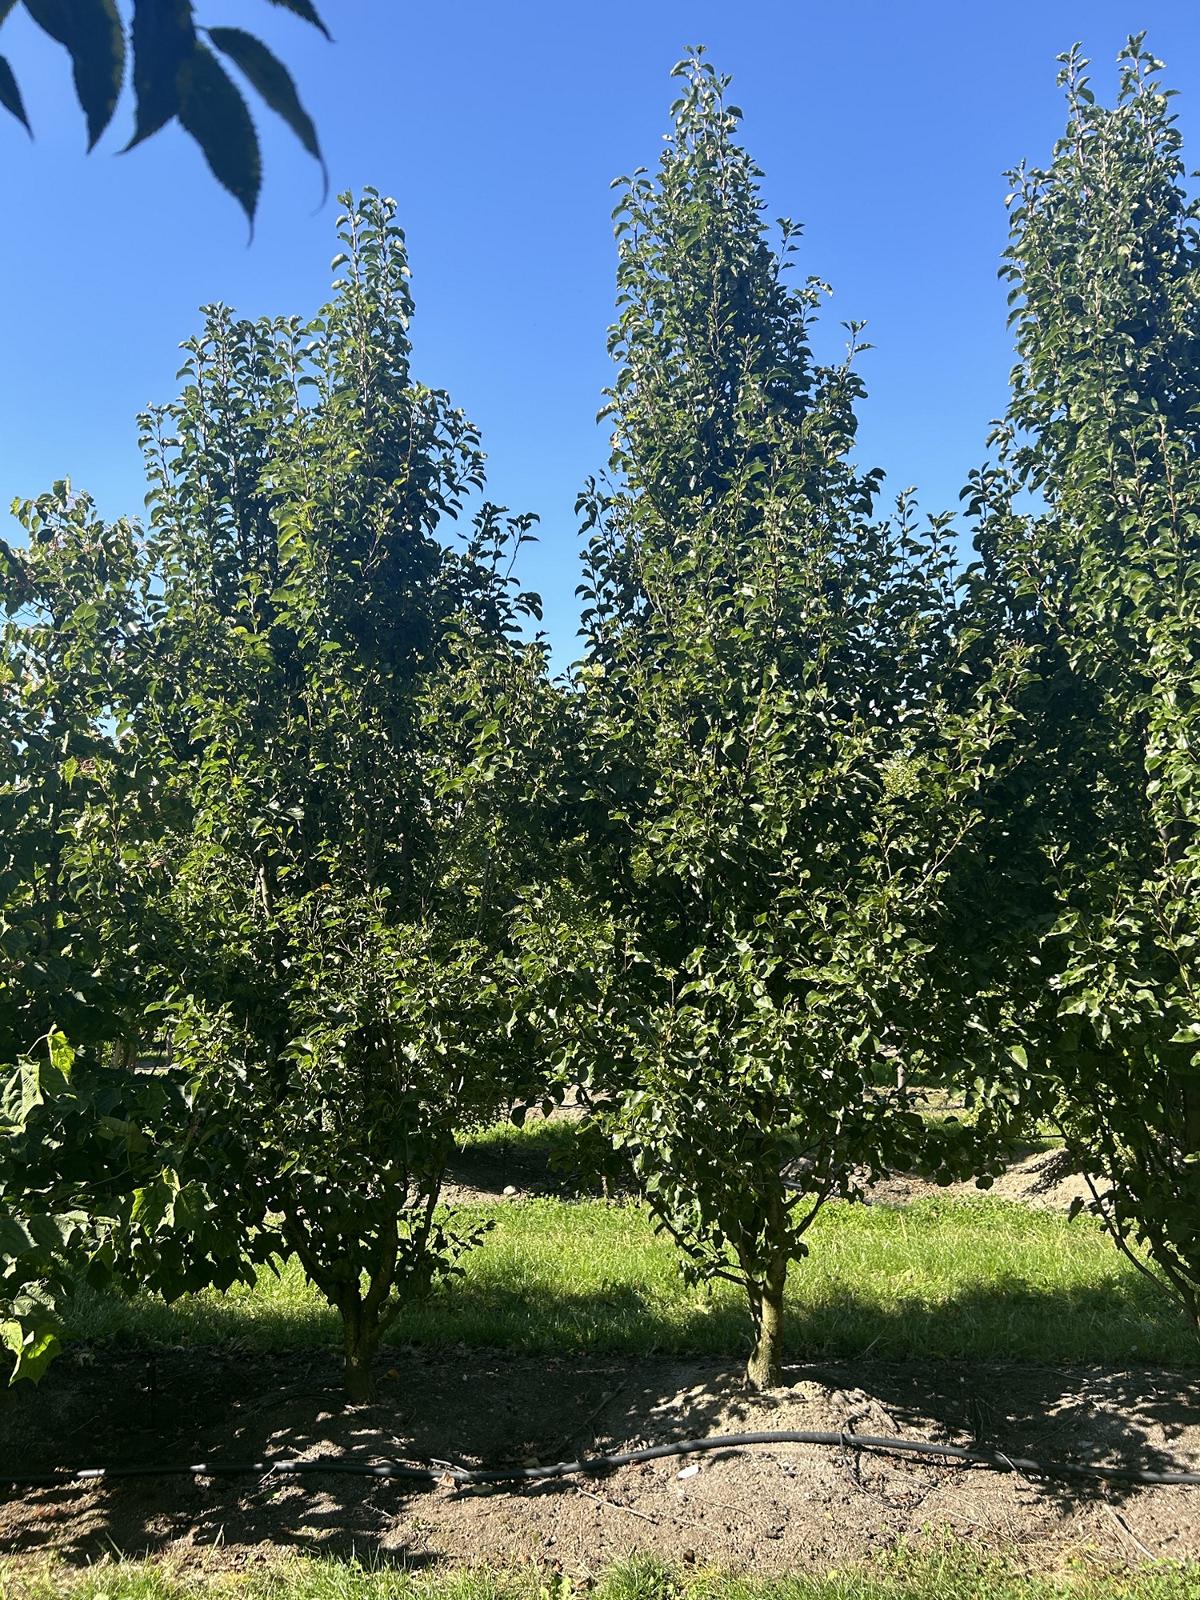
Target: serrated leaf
{"type": "Point", "coordinates": [163, 41]}
{"type": "Point", "coordinates": [10, 95]}
{"type": "Point", "coordinates": [303, 8]}
{"type": "Point", "coordinates": [91, 31]}
{"type": "Point", "coordinates": [214, 113]}
{"type": "Point", "coordinates": [273, 81]}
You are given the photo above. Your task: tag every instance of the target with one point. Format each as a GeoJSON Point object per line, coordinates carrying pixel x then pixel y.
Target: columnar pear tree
{"type": "Point", "coordinates": [1102, 583]}
{"type": "Point", "coordinates": [76, 815]}
{"type": "Point", "coordinates": [276, 777]}
{"type": "Point", "coordinates": [353, 729]}
{"type": "Point", "coordinates": [787, 763]}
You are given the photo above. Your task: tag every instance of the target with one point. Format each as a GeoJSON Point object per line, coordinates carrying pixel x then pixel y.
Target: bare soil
{"type": "Point", "coordinates": [1043, 1179]}
{"type": "Point", "coordinates": [487, 1175]}
{"type": "Point", "coordinates": [773, 1508]}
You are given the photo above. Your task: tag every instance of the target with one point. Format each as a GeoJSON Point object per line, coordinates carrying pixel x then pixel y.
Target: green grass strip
{"type": "Point", "coordinates": [975, 1278]}
{"type": "Point", "coordinates": [950, 1572]}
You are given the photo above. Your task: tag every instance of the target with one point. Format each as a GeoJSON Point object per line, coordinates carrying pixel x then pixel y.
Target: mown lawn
{"type": "Point", "coordinates": [976, 1277]}
{"type": "Point", "coordinates": [951, 1573]}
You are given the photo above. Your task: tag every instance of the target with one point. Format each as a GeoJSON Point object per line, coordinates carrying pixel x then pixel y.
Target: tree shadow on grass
{"type": "Point", "coordinates": [561, 1155]}
{"type": "Point", "coordinates": [1118, 1319]}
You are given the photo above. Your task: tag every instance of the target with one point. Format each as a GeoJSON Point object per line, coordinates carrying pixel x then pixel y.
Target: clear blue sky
{"type": "Point", "coordinates": [884, 127]}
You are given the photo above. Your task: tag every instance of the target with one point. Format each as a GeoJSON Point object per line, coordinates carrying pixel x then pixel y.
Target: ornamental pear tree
{"type": "Point", "coordinates": [1101, 584]}
{"type": "Point", "coordinates": [353, 734]}
{"type": "Point", "coordinates": [74, 820]}
{"type": "Point", "coordinates": [787, 742]}
{"type": "Point", "coordinates": [273, 779]}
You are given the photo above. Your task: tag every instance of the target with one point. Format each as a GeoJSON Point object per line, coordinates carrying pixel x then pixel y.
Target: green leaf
{"type": "Point", "coordinates": [91, 30]}
{"type": "Point", "coordinates": [163, 41]}
{"type": "Point", "coordinates": [273, 81]}
{"type": "Point", "coordinates": [34, 1349]}
{"type": "Point", "coordinates": [62, 1056]}
{"type": "Point", "coordinates": [214, 113]}
{"type": "Point", "coordinates": [302, 8]}
{"type": "Point", "coordinates": [10, 95]}
{"type": "Point", "coordinates": [31, 1086]}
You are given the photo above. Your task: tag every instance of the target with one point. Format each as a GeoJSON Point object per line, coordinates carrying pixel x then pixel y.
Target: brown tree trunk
{"type": "Point", "coordinates": [1191, 1126]}
{"type": "Point", "coordinates": [764, 1370]}
{"type": "Point", "coordinates": [360, 1342]}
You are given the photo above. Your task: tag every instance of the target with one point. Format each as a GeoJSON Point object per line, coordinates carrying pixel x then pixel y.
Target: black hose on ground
{"type": "Point", "coordinates": [448, 1473]}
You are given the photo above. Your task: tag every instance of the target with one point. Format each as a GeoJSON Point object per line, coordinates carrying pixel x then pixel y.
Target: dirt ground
{"type": "Point", "coordinates": [1042, 1179]}
{"type": "Point", "coordinates": [485, 1176]}
{"type": "Point", "coordinates": [772, 1508]}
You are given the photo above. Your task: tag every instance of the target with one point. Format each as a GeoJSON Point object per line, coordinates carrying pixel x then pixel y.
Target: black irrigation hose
{"type": "Point", "coordinates": [443, 1471]}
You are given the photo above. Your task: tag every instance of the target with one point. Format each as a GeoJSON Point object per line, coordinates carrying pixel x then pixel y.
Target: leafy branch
{"type": "Point", "coordinates": [177, 76]}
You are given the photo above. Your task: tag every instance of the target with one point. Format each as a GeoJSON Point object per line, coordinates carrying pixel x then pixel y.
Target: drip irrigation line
{"type": "Point", "coordinates": [448, 1472]}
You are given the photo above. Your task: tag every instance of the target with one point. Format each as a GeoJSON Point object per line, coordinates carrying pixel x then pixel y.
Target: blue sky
{"type": "Point", "coordinates": [884, 127]}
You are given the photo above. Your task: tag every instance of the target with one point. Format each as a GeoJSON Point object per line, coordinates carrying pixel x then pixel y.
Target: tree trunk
{"type": "Point", "coordinates": [358, 1374]}
{"type": "Point", "coordinates": [1191, 1133]}
{"type": "Point", "coordinates": [765, 1367]}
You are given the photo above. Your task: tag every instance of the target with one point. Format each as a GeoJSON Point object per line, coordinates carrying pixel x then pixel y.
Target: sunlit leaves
{"type": "Point", "coordinates": [781, 762]}
{"type": "Point", "coordinates": [350, 736]}
{"type": "Point", "coordinates": [1101, 587]}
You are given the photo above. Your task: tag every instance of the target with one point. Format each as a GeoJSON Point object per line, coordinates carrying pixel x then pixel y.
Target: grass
{"type": "Point", "coordinates": [568, 1152]}
{"type": "Point", "coordinates": [975, 1278]}
{"type": "Point", "coordinates": [948, 1572]}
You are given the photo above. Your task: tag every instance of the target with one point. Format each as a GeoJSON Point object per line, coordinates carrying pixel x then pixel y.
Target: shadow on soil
{"type": "Point", "coordinates": [120, 1406]}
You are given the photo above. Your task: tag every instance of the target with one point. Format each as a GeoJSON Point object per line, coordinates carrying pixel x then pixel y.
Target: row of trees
{"type": "Point", "coordinates": [307, 866]}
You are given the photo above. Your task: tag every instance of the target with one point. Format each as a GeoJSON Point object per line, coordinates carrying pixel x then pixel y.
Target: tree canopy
{"type": "Point", "coordinates": [1101, 586]}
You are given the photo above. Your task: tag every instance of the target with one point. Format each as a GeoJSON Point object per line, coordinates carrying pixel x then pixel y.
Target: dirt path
{"type": "Point", "coordinates": [776, 1508]}
{"type": "Point", "coordinates": [490, 1175]}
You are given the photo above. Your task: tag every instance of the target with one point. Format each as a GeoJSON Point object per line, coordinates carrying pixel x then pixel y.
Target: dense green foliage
{"type": "Point", "coordinates": [339, 988]}
{"type": "Point", "coordinates": [74, 821]}
{"type": "Point", "coordinates": [347, 755]}
{"type": "Point", "coordinates": [772, 694]}
{"type": "Point", "coordinates": [1103, 586]}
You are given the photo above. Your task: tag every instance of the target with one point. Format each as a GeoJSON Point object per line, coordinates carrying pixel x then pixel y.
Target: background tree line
{"type": "Point", "coordinates": [307, 866]}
